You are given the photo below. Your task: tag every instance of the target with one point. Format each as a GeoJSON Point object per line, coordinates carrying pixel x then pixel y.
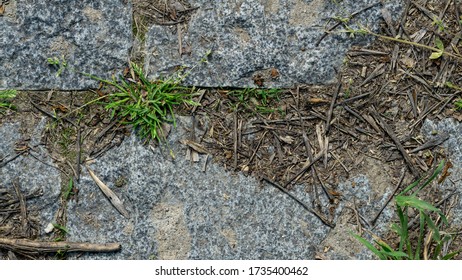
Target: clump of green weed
{"type": "Point", "coordinates": [5, 99]}
{"type": "Point", "coordinates": [60, 64]}
{"type": "Point", "coordinates": [68, 192]}
{"type": "Point", "coordinates": [256, 98]}
{"type": "Point", "coordinates": [430, 239]}
{"type": "Point", "coordinates": [458, 104]}
{"type": "Point", "coordinates": [439, 23]}
{"type": "Point", "coordinates": [146, 104]}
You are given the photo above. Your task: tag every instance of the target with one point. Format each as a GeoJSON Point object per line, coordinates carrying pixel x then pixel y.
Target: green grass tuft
{"type": "Point", "coordinates": [146, 104]}
{"type": "Point", "coordinates": [5, 99]}
{"type": "Point", "coordinates": [458, 104]}
{"type": "Point", "coordinates": [430, 239]}
{"type": "Point", "coordinates": [258, 99]}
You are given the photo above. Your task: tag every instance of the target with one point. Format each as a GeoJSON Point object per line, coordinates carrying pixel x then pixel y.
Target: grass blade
{"type": "Point", "coordinates": [369, 246]}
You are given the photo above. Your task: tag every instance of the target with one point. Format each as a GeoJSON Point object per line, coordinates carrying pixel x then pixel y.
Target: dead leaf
{"type": "Point", "coordinates": [194, 156]}
{"type": "Point", "coordinates": [429, 161]}
{"type": "Point", "coordinates": [258, 80]}
{"type": "Point", "coordinates": [113, 198]}
{"type": "Point", "coordinates": [317, 100]}
{"type": "Point", "coordinates": [61, 108]}
{"type": "Point", "coordinates": [195, 146]}
{"type": "Point", "coordinates": [445, 173]}
{"type": "Point", "coordinates": [334, 193]}
{"type": "Point", "coordinates": [228, 154]}
{"type": "Point", "coordinates": [408, 62]}
{"type": "Point", "coordinates": [165, 129]}
{"type": "Point", "coordinates": [245, 169]}
{"type": "Point", "coordinates": [126, 71]}
{"type": "Point", "coordinates": [274, 73]}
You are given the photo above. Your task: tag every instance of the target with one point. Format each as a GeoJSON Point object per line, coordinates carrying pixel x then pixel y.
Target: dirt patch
{"type": "Point", "coordinates": [8, 10]}
{"type": "Point", "coordinates": [92, 14]}
{"type": "Point", "coordinates": [271, 6]}
{"type": "Point", "coordinates": [304, 14]}
{"type": "Point", "coordinates": [172, 234]}
{"type": "Point", "coordinates": [340, 244]}
{"type": "Point", "coordinates": [163, 12]}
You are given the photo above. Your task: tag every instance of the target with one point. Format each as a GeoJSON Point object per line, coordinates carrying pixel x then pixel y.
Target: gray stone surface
{"type": "Point", "coordinates": [92, 36]}
{"type": "Point", "coordinates": [33, 175]}
{"type": "Point", "coordinates": [179, 212]}
{"type": "Point", "coordinates": [273, 39]}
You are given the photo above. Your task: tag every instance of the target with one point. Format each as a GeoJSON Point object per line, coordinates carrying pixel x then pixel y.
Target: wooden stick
{"type": "Point", "coordinates": [51, 115]}
{"type": "Point", "coordinates": [235, 138]}
{"type": "Point", "coordinates": [22, 206]}
{"type": "Point", "coordinates": [306, 166]}
{"type": "Point", "coordinates": [390, 198]}
{"type": "Point", "coordinates": [340, 22]}
{"type": "Point", "coordinates": [52, 247]}
{"type": "Point", "coordinates": [400, 147]}
{"type": "Point", "coordinates": [312, 211]}
{"type": "Point", "coordinates": [332, 104]}
{"type": "Point", "coordinates": [79, 153]}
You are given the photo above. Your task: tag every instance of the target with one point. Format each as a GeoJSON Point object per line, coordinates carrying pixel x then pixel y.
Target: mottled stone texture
{"type": "Point", "coordinates": [180, 212]}
{"type": "Point", "coordinates": [92, 36]}
{"type": "Point", "coordinates": [34, 171]}
{"type": "Point", "coordinates": [261, 42]}
{"type": "Point", "coordinates": [177, 211]}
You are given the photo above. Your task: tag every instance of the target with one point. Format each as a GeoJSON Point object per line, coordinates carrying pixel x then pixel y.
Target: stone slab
{"type": "Point", "coordinates": [270, 43]}
{"type": "Point", "coordinates": [35, 174]}
{"type": "Point", "coordinates": [92, 36]}
{"type": "Point", "coordinates": [179, 212]}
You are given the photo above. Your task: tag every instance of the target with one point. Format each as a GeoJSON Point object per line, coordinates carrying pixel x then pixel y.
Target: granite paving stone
{"type": "Point", "coordinates": [180, 212]}
{"type": "Point", "coordinates": [91, 36]}
{"type": "Point", "coordinates": [34, 171]}
{"type": "Point", "coordinates": [269, 43]}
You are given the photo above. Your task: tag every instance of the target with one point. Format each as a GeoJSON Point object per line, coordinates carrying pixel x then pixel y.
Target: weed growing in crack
{"type": "Point", "coordinates": [5, 99]}
{"type": "Point", "coordinates": [68, 191]}
{"type": "Point", "coordinates": [62, 231]}
{"type": "Point", "coordinates": [430, 240]}
{"type": "Point", "coordinates": [458, 104]}
{"type": "Point", "coordinates": [140, 102]}
{"type": "Point", "coordinates": [439, 23]}
{"type": "Point", "coordinates": [257, 98]}
{"type": "Point", "coordinates": [146, 104]}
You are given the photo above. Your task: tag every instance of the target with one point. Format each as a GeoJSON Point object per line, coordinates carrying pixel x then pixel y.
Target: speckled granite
{"type": "Point", "coordinates": [35, 174]}
{"type": "Point", "coordinates": [179, 212]}
{"type": "Point", "coordinates": [261, 42]}
{"type": "Point", "coordinates": [93, 37]}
